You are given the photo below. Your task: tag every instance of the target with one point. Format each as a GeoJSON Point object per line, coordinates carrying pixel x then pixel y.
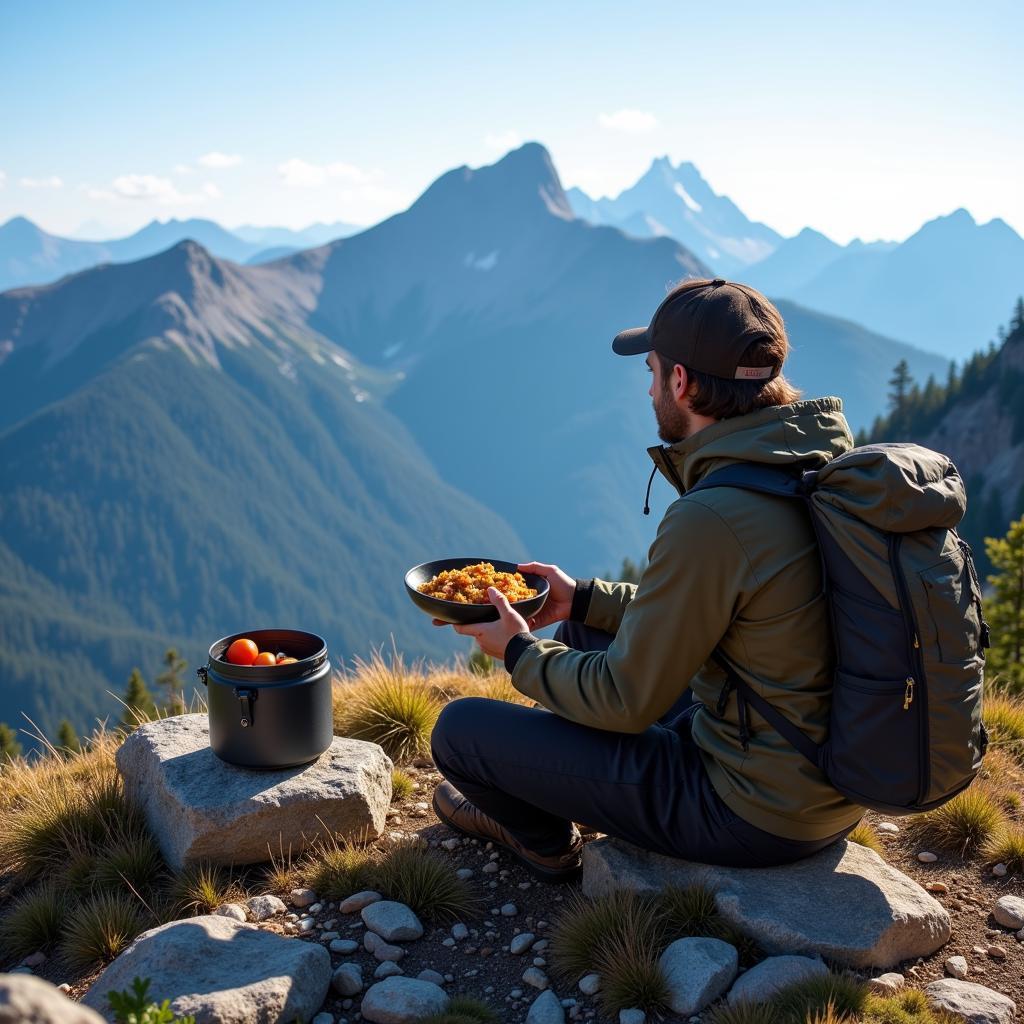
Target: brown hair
{"type": "Point", "coordinates": [721, 399]}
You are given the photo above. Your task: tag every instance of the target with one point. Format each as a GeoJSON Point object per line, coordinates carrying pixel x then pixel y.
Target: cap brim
{"type": "Point", "coordinates": [632, 342]}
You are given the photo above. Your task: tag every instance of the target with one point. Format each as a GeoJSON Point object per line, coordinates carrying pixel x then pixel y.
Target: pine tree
{"type": "Point", "coordinates": [170, 680]}
{"type": "Point", "coordinates": [901, 384]}
{"type": "Point", "coordinates": [1018, 315]}
{"type": "Point", "coordinates": [67, 738]}
{"type": "Point", "coordinates": [1004, 610]}
{"type": "Point", "coordinates": [138, 698]}
{"type": "Point", "coordinates": [9, 745]}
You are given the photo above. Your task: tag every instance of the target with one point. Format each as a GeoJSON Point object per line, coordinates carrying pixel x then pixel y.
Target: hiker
{"type": "Point", "coordinates": [640, 734]}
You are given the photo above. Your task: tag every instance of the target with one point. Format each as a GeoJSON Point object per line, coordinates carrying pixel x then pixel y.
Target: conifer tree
{"type": "Point", "coordinates": [1004, 610]}
{"type": "Point", "coordinates": [9, 745]}
{"type": "Point", "coordinates": [67, 738]}
{"type": "Point", "coordinates": [901, 384]}
{"type": "Point", "coordinates": [170, 680]}
{"type": "Point", "coordinates": [137, 697]}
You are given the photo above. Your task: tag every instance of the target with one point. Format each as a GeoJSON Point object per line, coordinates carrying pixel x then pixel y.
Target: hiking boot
{"type": "Point", "coordinates": [462, 816]}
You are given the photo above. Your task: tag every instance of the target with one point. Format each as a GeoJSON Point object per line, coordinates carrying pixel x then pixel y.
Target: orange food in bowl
{"type": "Point", "coordinates": [469, 585]}
{"type": "Point", "coordinates": [242, 652]}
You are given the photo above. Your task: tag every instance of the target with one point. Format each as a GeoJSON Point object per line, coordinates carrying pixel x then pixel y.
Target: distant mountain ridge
{"type": "Point", "coordinates": [29, 255]}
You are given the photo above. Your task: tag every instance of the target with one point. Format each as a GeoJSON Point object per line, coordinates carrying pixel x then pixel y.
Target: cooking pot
{"type": "Point", "coordinates": [270, 716]}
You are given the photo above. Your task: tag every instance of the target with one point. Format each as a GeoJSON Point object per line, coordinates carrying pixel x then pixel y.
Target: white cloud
{"type": "Point", "coordinates": [151, 188]}
{"type": "Point", "coordinates": [52, 181]}
{"type": "Point", "coordinates": [633, 122]}
{"type": "Point", "coordinates": [3, 178]}
{"type": "Point", "coordinates": [211, 190]}
{"type": "Point", "coordinates": [219, 160]}
{"type": "Point", "coordinates": [502, 142]}
{"type": "Point", "coordinates": [181, 169]}
{"type": "Point", "coordinates": [301, 174]}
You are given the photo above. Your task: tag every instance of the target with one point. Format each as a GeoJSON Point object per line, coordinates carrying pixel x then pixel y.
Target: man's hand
{"type": "Point", "coordinates": [493, 637]}
{"type": "Point", "coordinates": [559, 603]}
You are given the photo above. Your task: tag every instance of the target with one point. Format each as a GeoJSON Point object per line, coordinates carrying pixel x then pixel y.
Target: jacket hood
{"type": "Point", "coordinates": [806, 434]}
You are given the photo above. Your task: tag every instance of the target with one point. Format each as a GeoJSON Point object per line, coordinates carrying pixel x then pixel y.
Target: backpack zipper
{"type": "Point", "coordinates": [916, 662]}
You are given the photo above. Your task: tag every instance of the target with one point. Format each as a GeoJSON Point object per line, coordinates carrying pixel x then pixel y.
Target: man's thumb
{"type": "Point", "coordinates": [499, 600]}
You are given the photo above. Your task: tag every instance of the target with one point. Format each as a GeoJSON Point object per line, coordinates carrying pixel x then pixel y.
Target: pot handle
{"type": "Point", "coordinates": [245, 703]}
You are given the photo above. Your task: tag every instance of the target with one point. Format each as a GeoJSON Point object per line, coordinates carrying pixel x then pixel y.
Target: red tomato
{"type": "Point", "coordinates": [265, 658]}
{"type": "Point", "coordinates": [242, 652]}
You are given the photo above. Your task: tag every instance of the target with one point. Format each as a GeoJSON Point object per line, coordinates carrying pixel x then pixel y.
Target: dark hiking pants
{"type": "Point", "coordinates": [536, 773]}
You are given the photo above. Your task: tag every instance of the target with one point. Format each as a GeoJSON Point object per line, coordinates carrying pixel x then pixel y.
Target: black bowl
{"type": "Point", "coordinates": [465, 614]}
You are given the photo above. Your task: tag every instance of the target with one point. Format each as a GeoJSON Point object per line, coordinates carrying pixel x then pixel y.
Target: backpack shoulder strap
{"type": "Point", "coordinates": [750, 476]}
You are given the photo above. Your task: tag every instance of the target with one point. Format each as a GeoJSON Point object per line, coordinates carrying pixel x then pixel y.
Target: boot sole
{"type": "Point", "coordinates": [552, 876]}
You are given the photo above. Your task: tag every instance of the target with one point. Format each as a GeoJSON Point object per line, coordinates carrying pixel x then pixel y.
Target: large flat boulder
{"type": "Point", "coordinates": [844, 904]}
{"type": "Point", "coordinates": [201, 808]}
{"type": "Point", "coordinates": [25, 999]}
{"type": "Point", "coordinates": [221, 972]}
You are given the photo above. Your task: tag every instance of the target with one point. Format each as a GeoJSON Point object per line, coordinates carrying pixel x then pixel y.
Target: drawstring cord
{"type": "Point", "coordinates": [647, 497]}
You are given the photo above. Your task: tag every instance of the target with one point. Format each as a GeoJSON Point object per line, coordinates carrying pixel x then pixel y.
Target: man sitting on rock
{"type": "Point", "coordinates": [646, 742]}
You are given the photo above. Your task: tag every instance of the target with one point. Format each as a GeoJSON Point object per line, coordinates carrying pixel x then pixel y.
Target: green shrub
{"type": "Point", "coordinates": [100, 928]}
{"type": "Point", "coordinates": [133, 1006]}
{"type": "Point", "coordinates": [833, 996]}
{"type": "Point", "coordinates": [688, 911]}
{"type": "Point", "coordinates": [463, 1010]}
{"type": "Point", "coordinates": [864, 835]}
{"type": "Point", "coordinates": [337, 869]}
{"type": "Point", "coordinates": [907, 1007]}
{"type": "Point", "coordinates": [963, 825]}
{"type": "Point", "coordinates": [33, 921]}
{"type": "Point", "coordinates": [423, 881]}
{"type": "Point", "coordinates": [630, 973]}
{"type": "Point", "coordinates": [203, 888]}
{"type": "Point", "coordinates": [401, 785]}
{"type": "Point", "coordinates": [742, 1013]}
{"type": "Point", "coordinates": [1007, 846]}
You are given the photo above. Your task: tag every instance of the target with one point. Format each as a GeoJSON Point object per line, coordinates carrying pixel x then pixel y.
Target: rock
{"type": "Point", "coordinates": [433, 976]}
{"type": "Point", "coordinates": [996, 952]}
{"type": "Point", "coordinates": [976, 1004]}
{"type": "Point", "coordinates": [233, 910]}
{"type": "Point", "coordinates": [761, 983]}
{"type": "Point", "coordinates": [346, 947]}
{"type": "Point", "coordinates": [358, 900]}
{"type": "Point", "coordinates": [844, 903]}
{"type": "Point", "coordinates": [698, 971]}
{"type": "Point", "coordinates": [387, 969]}
{"type": "Point", "coordinates": [323, 1018]}
{"type": "Point", "coordinates": [999, 870]}
{"type": "Point", "coordinates": [536, 977]}
{"type": "Point", "coordinates": [36, 959]}
{"type": "Point", "coordinates": [509, 910]}
{"type": "Point", "coordinates": [25, 999]}
{"type": "Point", "coordinates": [201, 808]}
{"type": "Point", "coordinates": [464, 874]}
{"type": "Point", "coordinates": [451, 844]}
{"type": "Point", "coordinates": [957, 967]}
{"type": "Point", "coordinates": [347, 980]}
{"type": "Point", "coordinates": [888, 828]}
{"type": "Point", "coordinates": [402, 1000]}
{"type": "Point", "coordinates": [459, 932]}
{"type": "Point", "coordinates": [886, 984]}
{"type": "Point", "coordinates": [301, 897]}
{"type": "Point", "coordinates": [262, 907]}
{"type": "Point", "coordinates": [521, 943]}
{"type": "Point", "coordinates": [1009, 911]}
{"type": "Point", "coordinates": [632, 1016]}
{"type": "Point", "coordinates": [221, 971]}
{"type": "Point", "coordinates": [927, 858]}
{"type": "Point", "coordinates": [590, 984]}
{"type": "Point", "coordinates": [546, 1009]}
{"type": "Point", "coordinates": [385, 951]}
{"type": "Point", "coordinates": [490, 869]}
{"type": "Point", "coordinates": [393, 922]}
{"type": "Point", "coordinates": [939, 887]}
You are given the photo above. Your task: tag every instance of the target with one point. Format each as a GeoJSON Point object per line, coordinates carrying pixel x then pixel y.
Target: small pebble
{"type": "Point", "coordinates": [464, 874]}
{"type": "Point", "coordinates": [521, 943]}
{"type": "Point", "coordinates": [315, 908]}
{"type": "Point", "coordinates": [509, 910]}
{"type": "Point", "coordinates": [980, 950]}
{"type": "Point", "coordinates": [927, 858]}
{"type": "Point", "coordinates": [385, 951]}
{"type": "Point", "coordinates": [450, 844]}
{"type": "Point", "coordinates": [590, 984]}
{"type": "Point", "coordinates": [937, 887]}
{"type": "Point", "coordinates": [539, 947]}
{"type": "Point", "coordinates": [459, 932]}
{"type": "Point", "coordinates": [64, 987]}
{"type": "Point", "coordinates": [632, 1016]}
{"type": "Point", "coordinates": [358, 900]}
{"type": "Point", "coordinates": [539, 961]}
{"type": "Point", "coordinates": [490, 869]}
{"type": "Point", "coordinates": [307, 924]}
{"type": "Point", "coordinates": [999, 870]}
{"type": "Point", "coordinates": [387, 969]}
{"type": "Point", "coordinates": [957, 967]}
{"type": "Point", "coordinates": [449, 942]}
{"type": "Point", "coordinates": [343, 946]}
{"type": "Point", "coordinates": [888, 828]}
{"type": "Point", "coordinates": [302, 897]}
{"type": "Point", "coordinates": [536, 977]}
{"type": "Point", "coordinates": [516, 993]}
{"type": "Point", "coordinates": [996, 952]}
{"type": "Point", "coordinates": [428, 975]}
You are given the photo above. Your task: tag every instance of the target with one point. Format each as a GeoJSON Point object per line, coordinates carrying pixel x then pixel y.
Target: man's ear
{"type": "Point", "coordinates": [680, 382]}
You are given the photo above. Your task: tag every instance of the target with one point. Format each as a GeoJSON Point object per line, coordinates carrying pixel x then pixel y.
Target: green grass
{"type": "Point", "coordinates": [1004, 718]}
{"type": "Point", "coordinates": [688, 911]}
{"type": "Point", "coordinates": [135, 861]}
{"type": "Point", "coordinates": [385, 704]}
{"type": "Point", "coordinates": [100, 928]}
{"type": "Point", "coordinates": [426, 882]}
{"type": "Point", "coordinates": [630, 972]}
{"type": "Point", "coordinates": [32, 921]}
{"type": "Point", "coordinates": [202, 888]}
{"type": "Point", "coordinates": [864, 835]}
{"type": "Point", "coordinates": [336, 869]}
{"type": "Point", "coordinates": [742, 1013]}
{"type": "Point", "coordinates": [1007, 847]}
{"type": "Point", "coordinates": [963, 825]}
{"type": "Point", "coordinates": [836, 995]}
{"type": "Point", "coordinates": [907, 1007]}
{"type": "Point", "coordinates": [464, 1010]}
{"type": "Point", "coordinates": [401, 785]}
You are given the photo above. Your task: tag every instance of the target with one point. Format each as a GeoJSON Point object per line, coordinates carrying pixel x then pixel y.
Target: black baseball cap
{"type": "Point", "coordinates": [705, 326]}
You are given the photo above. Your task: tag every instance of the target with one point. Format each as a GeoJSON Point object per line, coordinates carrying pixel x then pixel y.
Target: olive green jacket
{"type": "Point", "coordinates": [730, 569]}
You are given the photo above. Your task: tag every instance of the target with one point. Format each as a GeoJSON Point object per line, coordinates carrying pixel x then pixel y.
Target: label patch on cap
{"type": "Point", "coordinates": [755, 372]}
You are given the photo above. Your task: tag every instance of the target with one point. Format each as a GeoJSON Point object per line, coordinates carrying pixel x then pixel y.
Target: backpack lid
{"type": "Point", "coordinates": [895, 487]}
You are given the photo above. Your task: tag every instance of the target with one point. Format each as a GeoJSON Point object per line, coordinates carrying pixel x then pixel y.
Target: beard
{"type": "Point", "coordinates": [673, 422]}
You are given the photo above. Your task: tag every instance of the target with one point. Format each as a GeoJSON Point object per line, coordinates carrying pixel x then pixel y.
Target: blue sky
{"type": "Point", "coordinates": [863, 119]}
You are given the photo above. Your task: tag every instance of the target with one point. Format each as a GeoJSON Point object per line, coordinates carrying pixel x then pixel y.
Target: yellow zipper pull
{"type": "Point", "coordinates": [908, 694]}
{"type": "Point", "coordinates": [917, 643]}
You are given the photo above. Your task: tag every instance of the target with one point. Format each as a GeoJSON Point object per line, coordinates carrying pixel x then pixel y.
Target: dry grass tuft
{"type": "Point", "coordinates": [907, 1007]}
{"type": "Point", "coordinates": [464, 1010]}
{"type": "Point", "coordinates": [34, 920]}
{"type": "Point", "coordinates": [385, 703]}
{"type": "Point", "coordinates": [1006, 847]}
{"type": "Point", "coordinates": [837, 995]}
{"type": "Point", "coordinates": [282, 875]}
{"type": "Point", "coordinates": [688, 911]}
{"type": "Point", "coordinates": [100, 928]}
{"type": "Point", "coordinates": [864, 835]}
{"type": "Point", "coordinates": [963, 825]}
{"type": "Point", "coordinates": [1004, 718]}
{"type": "Point", "coordinates": [742, 1013]}
{"type": "Point", "coordinates": [336, 869]}
{"type": "Point", "coordinates": [424, 881]}
{"type": "Point", "coordinates": [202, 888]}
{"type": "Point", "coordinates": [401, 785]}
{"type": "Point", "coordinates": [631, 974]}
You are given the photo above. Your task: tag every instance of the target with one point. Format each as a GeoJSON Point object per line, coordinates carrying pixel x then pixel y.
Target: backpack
{"type": "Point", "coordinates": [905, 726]}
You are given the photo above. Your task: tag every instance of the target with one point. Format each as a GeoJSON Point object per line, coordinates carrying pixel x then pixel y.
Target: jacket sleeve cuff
{"type": "Point", "coordinates": [515, 647]}
{"type": "Point", "coordinates": [581, 600]}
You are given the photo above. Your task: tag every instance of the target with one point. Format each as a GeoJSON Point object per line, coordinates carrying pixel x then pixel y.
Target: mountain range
{"type": "Point", "coordinates": [193, 446]}
{"type": "Point", "coordinates": [30, 255]}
